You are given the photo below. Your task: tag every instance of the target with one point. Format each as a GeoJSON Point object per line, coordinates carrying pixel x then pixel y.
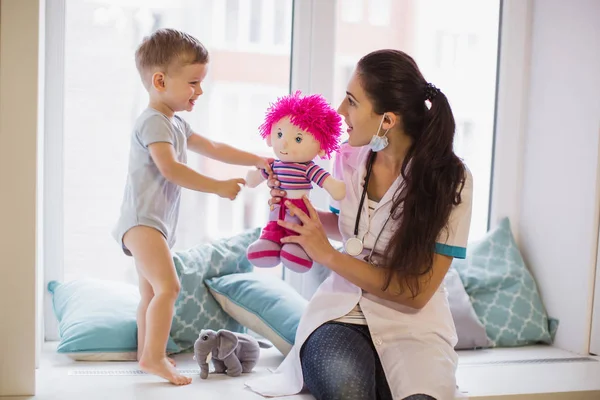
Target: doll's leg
{"type": "Point", "coordinates": [295, 258]}
{"type": "Point", "coordinates": [265, 252]}
{"type": "Point", "coordinates": [293, 255]}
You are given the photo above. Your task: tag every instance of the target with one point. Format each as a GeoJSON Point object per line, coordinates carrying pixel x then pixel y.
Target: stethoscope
{"type": "Point", "coordinates": [354, 246]}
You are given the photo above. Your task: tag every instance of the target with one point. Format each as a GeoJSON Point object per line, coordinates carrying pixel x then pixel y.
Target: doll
{"type": "Point", "coordinates": [298, 128]}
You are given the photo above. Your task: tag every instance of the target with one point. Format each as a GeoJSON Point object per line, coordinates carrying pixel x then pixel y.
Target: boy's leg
{"type": "Point", "coordinates": [146, 295]}
{"type": "Point", "coordinates": [153, 260]}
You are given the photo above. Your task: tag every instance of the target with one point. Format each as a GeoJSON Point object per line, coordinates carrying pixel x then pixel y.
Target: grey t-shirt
{"type": "Point", "coordinates": [150, 199]}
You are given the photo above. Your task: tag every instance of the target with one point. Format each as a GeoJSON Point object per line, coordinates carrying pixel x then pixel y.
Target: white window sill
{"type": "Point", "coordinates": [512, 373]}
{"type": "Point", "coordinates": [482, 374]}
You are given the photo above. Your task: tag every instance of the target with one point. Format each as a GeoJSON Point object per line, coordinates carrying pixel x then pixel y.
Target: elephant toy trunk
{"type": "Point", "coordinates": [202, 360]}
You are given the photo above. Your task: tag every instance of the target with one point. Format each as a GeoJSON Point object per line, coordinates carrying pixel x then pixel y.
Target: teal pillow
{"type": "Point", "coordinates": [195, 308]}
{"type": "Point", "coordinates": [503, 292]}
{"type": "Point", "coordinates": [263, 303]}
{"type": "Point", "coordinates": [97, 319]}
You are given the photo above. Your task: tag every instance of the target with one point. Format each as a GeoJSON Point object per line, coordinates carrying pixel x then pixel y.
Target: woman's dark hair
{"type": "Point", "coordinates": [433, 176]}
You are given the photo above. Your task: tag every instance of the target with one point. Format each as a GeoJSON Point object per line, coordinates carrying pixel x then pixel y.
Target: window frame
{"type": "Point", "coordinates": [53, 165]}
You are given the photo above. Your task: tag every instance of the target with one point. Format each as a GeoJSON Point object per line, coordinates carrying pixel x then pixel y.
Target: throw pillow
{"type": "Point", "coordinates": [263, 303]}
{"type": "Point", "coordinates": [470, 331]}
{"type": "Point", "coordinates": [97, 320]}
{"type": "Point", "coordinates": [195, 308]}
{"type": "Point", "coordinates": [503, 292]}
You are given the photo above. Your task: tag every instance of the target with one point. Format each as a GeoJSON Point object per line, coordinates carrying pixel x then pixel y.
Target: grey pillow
{"type": "Point", "coordinates": [470, 331]}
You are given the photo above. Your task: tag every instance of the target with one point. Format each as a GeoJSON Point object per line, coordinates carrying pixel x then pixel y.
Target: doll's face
{"type": "Point", "coordinates": [292, 144]}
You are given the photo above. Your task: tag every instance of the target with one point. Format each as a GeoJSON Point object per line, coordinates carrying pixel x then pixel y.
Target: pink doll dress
{"type": "Point", "coordinates": [268, 251]}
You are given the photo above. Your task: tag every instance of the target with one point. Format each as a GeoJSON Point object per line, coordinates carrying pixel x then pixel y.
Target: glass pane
{"type": "Point", "coordinates": [104, 96]}
{"type": "Point", "coordinates": [232, 9]}
{"type": "Point", "coordinates": [455, 44]}
{"type": "Point", "coordinates": [351, 10]}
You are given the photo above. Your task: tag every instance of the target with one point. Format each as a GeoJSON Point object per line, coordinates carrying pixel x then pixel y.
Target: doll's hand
{"type": "Point", "coordinates": [229, 189]}
{"type": "Point", "coordinates": [336, 188]}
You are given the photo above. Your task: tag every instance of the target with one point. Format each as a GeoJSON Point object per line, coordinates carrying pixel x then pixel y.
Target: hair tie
{"type": "Point", "coordinates": [431, 91]}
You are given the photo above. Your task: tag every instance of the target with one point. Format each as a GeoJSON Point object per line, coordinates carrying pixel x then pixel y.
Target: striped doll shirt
{"type": "Point", "coordinates": [297, 176]}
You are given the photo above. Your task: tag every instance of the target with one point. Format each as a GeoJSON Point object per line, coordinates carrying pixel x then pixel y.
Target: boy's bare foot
{"type": "Point", "coordinates": [164, 369]}
{"type": "Point", "coordinates": [173, 363]}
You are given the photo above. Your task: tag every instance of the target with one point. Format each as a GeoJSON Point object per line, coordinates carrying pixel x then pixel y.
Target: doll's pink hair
{"type": "Point", "coordinates": [311, 114]}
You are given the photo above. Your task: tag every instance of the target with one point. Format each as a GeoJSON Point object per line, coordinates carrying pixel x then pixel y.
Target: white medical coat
{"type": "Point", "coordinates": [416, 347]}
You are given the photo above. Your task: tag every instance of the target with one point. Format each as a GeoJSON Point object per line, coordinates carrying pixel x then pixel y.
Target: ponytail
{"type": "Point", "coordinates": [433, 176]}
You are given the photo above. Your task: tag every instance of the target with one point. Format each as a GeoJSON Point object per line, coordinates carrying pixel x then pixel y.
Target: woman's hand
{"type": "Point", "coordinates": [311, 234]}
{"type": "Point", "coordinates": [276, 193]}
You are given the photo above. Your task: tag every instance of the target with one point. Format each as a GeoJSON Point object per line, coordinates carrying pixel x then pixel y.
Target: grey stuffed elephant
{"type": "Point", "coordinates": [232, 353]}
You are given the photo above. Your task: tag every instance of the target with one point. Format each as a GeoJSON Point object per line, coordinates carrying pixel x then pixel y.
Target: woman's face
{"type": "Point", "coordinates": [358, 114]}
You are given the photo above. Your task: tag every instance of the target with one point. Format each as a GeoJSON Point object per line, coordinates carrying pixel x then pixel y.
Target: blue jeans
{"type": "Point", "coordinates": [339, 361]}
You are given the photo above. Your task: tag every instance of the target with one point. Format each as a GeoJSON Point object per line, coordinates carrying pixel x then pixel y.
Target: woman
{"type": "Point", "coordinates": [380, 327]}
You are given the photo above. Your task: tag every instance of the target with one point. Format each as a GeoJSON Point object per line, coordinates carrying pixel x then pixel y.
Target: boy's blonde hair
{"type": "Point", "coordinates": [168, 48]}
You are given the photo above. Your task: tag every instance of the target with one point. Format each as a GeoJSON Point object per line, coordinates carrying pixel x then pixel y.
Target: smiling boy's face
{"type": "Point", "coordinates": [183, 86]}
{"type": "Point", "coordinates": [292, 144]}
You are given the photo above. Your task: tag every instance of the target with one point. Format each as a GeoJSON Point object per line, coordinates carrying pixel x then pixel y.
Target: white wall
{"type": "Point", "coordinates": [595, 331]}
{"type": "Point", "coordinates": [19, 22]}
{"type": "Point", "coordinates": [559, 210]}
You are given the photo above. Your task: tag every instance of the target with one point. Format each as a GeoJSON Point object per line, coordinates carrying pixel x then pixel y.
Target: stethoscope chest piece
{"type": "Point", "coordinates": [353, 246]}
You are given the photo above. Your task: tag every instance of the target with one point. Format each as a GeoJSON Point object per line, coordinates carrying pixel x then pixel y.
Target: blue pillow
{"type": "Point", "coordinates": [503, 292]}
{"type": "Point", "coordinates": [97, 319]}
{"type": "Point", "coordinates": [195, 308]}
{"type": "Point", "coordinates": [263, 303]}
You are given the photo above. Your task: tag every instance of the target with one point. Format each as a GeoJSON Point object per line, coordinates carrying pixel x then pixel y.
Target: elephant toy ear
{"type": "Point", "coordinates": [227, 343]}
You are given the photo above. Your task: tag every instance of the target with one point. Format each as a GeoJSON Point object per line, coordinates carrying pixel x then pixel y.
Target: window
{"type": "Point", "coordinates": [103, 97]}
{"type": "Point", "coordinates": [279, 26]}
{"type": "Point", "coordinates": [255, 20]}
{"type": "Point", "coordinates": [232, 10]}
{"type": "Point", "coordinates": [351, 10]}
{"type": "Point", "coordinates": [380, 12]}
{"type": "Point", "coordinates": [262, 26]}
{"type": "Point", "coordinates": [464, 140]}
{"type": "Point", "coordinates": [249, 69]}
{"type": "Point", "coordinates": [455, 51]}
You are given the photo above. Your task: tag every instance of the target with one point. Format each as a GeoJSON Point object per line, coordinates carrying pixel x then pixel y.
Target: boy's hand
{"type": "Point", "coordinates": [229, 189]}
{"type": "Point", "coordinates": [264, 163]}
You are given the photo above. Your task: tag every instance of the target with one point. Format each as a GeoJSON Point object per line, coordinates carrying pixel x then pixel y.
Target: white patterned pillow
{"type": "Point", "coordinates": [196, 309]}
{"type": "Point", "coordinates": [503, 292]}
